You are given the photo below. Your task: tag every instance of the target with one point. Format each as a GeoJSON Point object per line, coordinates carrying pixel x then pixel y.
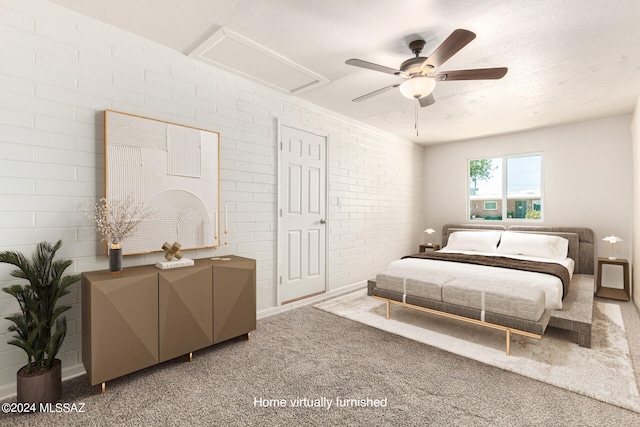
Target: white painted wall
{"type": "Point", "coordinates": [60, 70]}
{"type": "Point", "coordinates": [635, 248]}
{"type": "Point", "coordinates": [587, 177]}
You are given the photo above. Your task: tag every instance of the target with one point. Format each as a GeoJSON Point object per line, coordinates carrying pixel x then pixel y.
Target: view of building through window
{"type": "Point", "coordinates": [505, 188]}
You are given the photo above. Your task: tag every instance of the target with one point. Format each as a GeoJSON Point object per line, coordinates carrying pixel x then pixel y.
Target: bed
{"type": "Point", "coordinates": [519, 280]}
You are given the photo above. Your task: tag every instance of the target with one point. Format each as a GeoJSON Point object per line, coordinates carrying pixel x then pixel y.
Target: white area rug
{"type": "Point", "coordinates": [604, 372]}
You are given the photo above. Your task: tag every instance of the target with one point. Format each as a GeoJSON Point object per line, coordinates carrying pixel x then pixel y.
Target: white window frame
{"type": "Point", "coordinates": [505, 198]}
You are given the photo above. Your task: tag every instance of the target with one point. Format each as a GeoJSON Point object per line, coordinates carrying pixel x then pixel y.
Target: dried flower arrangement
{"type": "Point", "coordinates": [118, 219]}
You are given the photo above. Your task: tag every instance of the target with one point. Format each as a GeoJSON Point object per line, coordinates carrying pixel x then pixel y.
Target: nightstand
{"type": "Point", "coordinates": [431, 246]}
{"type": "Point", "coordinates": [612, 279]}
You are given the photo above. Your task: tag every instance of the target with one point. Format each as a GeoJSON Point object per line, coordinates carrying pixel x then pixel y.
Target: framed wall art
{"type": "Point", "coordinates": [174, 171]}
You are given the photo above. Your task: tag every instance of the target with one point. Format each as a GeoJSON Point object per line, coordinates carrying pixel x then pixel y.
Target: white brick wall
{"type": "Point", "coordinates": [60, 70]}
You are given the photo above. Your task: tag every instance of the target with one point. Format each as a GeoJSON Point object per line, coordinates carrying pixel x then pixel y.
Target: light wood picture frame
{"type": "Point", "coordinates": [174, 170]}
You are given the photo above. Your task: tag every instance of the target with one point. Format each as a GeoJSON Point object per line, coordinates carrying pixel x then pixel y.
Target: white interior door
{"type": "Point", "coordinates": [302, 230]}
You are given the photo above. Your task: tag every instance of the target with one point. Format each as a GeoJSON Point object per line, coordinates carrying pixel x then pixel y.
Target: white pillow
{"type": "Point", "coordinates": [535, 245]}
{"type": "Point", "coordinates": [479, 241]}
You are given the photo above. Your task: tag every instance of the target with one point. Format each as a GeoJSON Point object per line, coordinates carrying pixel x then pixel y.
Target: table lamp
{"type": "Point", "coordinates": [429, 232]}
{"type": "Point", "coordinates": [612, 240]}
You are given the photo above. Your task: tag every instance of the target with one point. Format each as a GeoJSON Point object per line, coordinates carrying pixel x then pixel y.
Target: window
{"type": "Point", "coordinates": [507, 187]}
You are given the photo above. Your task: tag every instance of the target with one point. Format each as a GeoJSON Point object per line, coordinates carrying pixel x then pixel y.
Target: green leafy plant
{"type": "Point", "coordinates": [532, 215]}
{"type": "Point", "coordinates": [39, 328]}
{"type": "Point", "coordinates": [480, 170]}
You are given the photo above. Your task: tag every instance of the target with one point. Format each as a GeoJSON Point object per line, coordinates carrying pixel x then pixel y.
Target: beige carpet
{"type": "Point", "coordinates": [604, 372]}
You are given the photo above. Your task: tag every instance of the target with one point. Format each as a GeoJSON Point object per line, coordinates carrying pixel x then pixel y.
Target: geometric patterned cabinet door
{"type": "Point", "coordinates": [119, 322]}
{"type": "Point", "coordinates": [234, 297]}
{"type": "Point", "coordinates": [185, 315]}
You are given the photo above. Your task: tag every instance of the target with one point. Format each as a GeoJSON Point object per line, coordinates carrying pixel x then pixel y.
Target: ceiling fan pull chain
{"type": "Point", "coordinates": [417, 133]}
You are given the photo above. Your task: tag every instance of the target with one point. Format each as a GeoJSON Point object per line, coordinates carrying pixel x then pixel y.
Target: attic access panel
{"type": "Point", "coordinates": [246, 58]}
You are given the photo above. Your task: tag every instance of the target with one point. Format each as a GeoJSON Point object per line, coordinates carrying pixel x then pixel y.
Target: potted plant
{"type": "Point", "coordinates": [39, 328]}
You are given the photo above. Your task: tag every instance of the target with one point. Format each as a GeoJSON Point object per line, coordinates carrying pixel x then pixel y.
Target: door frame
{"type": "Point", "coordinates": [279, 219]}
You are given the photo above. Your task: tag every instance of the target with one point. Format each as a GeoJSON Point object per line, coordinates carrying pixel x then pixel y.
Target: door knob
{"type": "Point", "coordinates": [323, 221]}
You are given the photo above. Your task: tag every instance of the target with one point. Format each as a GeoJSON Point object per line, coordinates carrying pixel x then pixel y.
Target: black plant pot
{"type": "Point", "coordinates": [115, 258]}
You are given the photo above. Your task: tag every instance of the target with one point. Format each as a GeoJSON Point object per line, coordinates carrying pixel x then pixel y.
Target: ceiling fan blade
{"type": "Point", "coordinates": [372, 66]}
{"type": "Point", "coordinates": [427, 100]}
{"type": "Point", "coordinates": [375, 92]}
{"type": "Point", "coordinates": [456, 41]}
{"type": "Point", "coordinates": [477, 74]}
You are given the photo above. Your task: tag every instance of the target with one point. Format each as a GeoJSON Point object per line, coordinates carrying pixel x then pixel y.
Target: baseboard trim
{"type": "Point", "coordinates": [311, 300]}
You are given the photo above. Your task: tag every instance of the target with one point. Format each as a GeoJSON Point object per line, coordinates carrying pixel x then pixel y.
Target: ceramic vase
{"type": "Point", "coordinates": [115, 258]}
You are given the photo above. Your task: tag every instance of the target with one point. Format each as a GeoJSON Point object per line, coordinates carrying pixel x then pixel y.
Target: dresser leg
{"type": "Point", "coordinates": [104, 387]}
{"type": "Point", "coordinates": [248, 336]}
{"type": "Point", "coordinates": [190, 357]}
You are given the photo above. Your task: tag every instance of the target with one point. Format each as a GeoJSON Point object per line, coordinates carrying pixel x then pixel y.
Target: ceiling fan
{"type": "Point", "coordinates": [420, 73]}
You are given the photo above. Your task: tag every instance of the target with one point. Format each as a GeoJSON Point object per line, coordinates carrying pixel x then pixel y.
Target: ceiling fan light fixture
{"type": "Point", "coordinates": [417, 87]}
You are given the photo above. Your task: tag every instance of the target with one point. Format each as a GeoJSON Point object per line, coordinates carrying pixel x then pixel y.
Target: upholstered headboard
{"type": "Point", "coordinates": [581, 240]}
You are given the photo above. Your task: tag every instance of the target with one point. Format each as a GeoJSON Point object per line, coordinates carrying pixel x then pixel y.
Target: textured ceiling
{"type": "Point", "coordinates": [568, 60]}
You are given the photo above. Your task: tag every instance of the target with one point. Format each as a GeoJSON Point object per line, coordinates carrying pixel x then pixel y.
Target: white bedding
{"type": "Point", "coordinates": [549, 284]}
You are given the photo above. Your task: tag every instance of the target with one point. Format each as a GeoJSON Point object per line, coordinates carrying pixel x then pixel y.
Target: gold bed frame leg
{"type": "Point", "coordinates": [506, 329]}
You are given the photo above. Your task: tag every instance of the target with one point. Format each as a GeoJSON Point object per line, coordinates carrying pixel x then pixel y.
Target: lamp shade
{"type": "Point", "coordinates": [417, 87]}
{"type": "Point", "coordinates": [612, 239]}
